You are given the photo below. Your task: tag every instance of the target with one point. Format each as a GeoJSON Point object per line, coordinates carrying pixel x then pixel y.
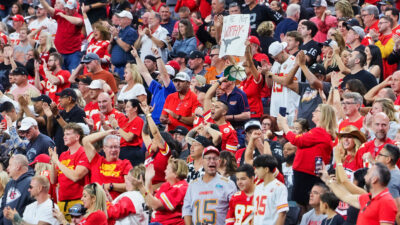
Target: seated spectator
{"type": "Point", "coordinates": [3, 182]}
{"type": "Point", "coordinates": [374, 62]}
{"type": "Point", "coordinates": [228, 165]}
{"type": "Point", "coordinates": [196, 63]}
{"type": "Point", "coordinates": [186, 42]}
{"type": "Point", "coordinates": [289, 23]}
{"type": "Point", "coordinates": [386, 106]}
{"type": "Point", "coordinates": [92, 107]}
{"type": "Point", "coordinates": [38, 212]}
{"type": "Point", "coordinates": [22, 87]}
{"type": "Point", "coordinates": [328, 205]}
{"type": "Point", "coordinates": [315, 216]}
{"type": "Point", "coordinates": [166, 21]}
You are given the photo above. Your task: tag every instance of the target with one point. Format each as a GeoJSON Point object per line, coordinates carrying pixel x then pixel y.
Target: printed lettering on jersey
{"type": "Point", "coordinates": [108, 170]}
{"type": "Point", "coordinates": [66, 162]}
{"type": "Point", "coordinates": [205, 211]}
{"type": "Point", "coordinates": [261, 204]}
{"type": "Point", "coordinates": [12, 195]}
{"type": "Point", "coordinates": [242, 211]}
{"type": "Point", "coordinates": [232, 102]}
{"type": "Point", "coordinates": [227, 130]}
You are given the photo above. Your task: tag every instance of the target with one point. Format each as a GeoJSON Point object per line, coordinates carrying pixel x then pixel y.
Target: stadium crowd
{"type": "Point", "coordinates": [130, 112]}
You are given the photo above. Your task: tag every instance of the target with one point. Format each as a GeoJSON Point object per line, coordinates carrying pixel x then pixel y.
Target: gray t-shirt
{"type": "Point", "coordinates": [311, 218]}
{"type": "Point", "coordinates": [309, 100]}
{"type": "Point", "coordinates": [208, 202]}
{"type": "Point", "coordinates": [394, 183]}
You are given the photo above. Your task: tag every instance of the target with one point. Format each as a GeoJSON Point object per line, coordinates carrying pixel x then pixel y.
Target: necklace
{"type": "Point", "coordinates": [329, 221]}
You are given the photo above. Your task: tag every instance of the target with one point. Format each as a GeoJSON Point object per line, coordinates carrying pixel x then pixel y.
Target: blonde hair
{"type": "Point", "coordinates": [95, 190]}
{"type": "Point", "coordinates": [80, 100]}
{"type": "Point", "coordinates": [44, 181]}
{"type": "Point", "coordinates": [344, 6]}
{"type": "Point", "coordinates": [266, 29]}
{"type": "Point", "coordinates": [138, 171]}
{"type": "Point", "coordinates": [4, 178]}
{"type": "Point", "coordinates": [388, 108]}
{"type": "Point", "coordinates": [179, 167]}
{"type": "Point", "coordinates": [137, 78]}
{"type": "Point", "coordinates": [41, 167]}
{"type": "Point", "coordinates": [357, 144]}
{"type": "Point", "coordinates": [328, 119]}
{"type": "Point", "coordinates": [49, 42]}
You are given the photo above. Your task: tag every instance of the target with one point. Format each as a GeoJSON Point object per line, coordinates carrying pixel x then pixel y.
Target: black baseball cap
{"type": "Point", "coordinates": [77, 210]}
{"type": "Point", "coordinates": [19, 71]}
{"type": "Point", "coordinates": [43, 98]}
{"type": "Point", "coordinates": [152, 58]}
{"type": "Point", "coordinates": [200, 139]}
{"type": "Point", "coordinates": [317, 68]}
{"type": "Point", "coordinates": [86, 80]}
{"type": "Point", "coordinates": [68, 92]}
{"type": "Point", "coordinates": [179, 55]}
{"type": "Point", "coordinates": [180, 130]}
{"type": "Point", "coordinates": [90, 57]}
{"type": "Point", "coordinates": [203, 88]}
{"type": "Point", "coordinates": [196, 54]}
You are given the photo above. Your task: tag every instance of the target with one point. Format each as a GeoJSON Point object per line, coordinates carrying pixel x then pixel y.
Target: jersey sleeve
{"type": "Point", "coordinates": [63, 77]}
{"type": "Point", "coordinates": [173, 197]}
{"type": "Point", "coordinates": [165, 151]}
{"type": "Point", "coordinates": [232, 141]}
{"type": "Point", "coordinates": [387, 212]}
{"type": "Point", "coordinates": [230, 216]}
{"type": "Point", "coordinates": [281, 202]}
{"type": "Point", "coordinates": [121, 209]}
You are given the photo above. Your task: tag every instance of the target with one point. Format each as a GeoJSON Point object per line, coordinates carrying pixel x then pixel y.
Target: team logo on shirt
{"type": "Point", "coordinates": [66, 162]}
{"type": "Point", "coordinates": [108, 170]}
{"type": "Point", "coordinates": [226, 130]}
{"type": "Point", "coordinates": [13, 194]}
{"type": "Point", "coordinates": [232, 102]}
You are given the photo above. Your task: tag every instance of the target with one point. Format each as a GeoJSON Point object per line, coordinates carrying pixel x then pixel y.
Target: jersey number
{"type": "Point", "coordinates": [241, 211]}
{"type": "Point", "coordinates": [211, 213]}
{"type": "Point", "coordinates": [261, 204]}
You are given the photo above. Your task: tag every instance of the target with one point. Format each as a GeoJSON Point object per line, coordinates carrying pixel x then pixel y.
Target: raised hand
{"type": "Point", "coordinates": [46, 109]}
{"type": "Point", "coordinates": [134, 52]}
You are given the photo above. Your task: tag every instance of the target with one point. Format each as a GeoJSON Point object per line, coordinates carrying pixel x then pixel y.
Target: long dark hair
{"type": "Point", "coordinates": [189, 29]}
{"type": "Point", "coordinates": [376, 58]}
{"type": "Point", "coordinates": [229, 162]}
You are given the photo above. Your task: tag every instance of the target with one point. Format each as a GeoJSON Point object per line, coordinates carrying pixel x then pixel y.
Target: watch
{"type": "Point", "coordinates": [179, 117]}
{"type": "Point", "coordinates": [111, 186]}
{"type": "Point", "coordinates": [57, 117]}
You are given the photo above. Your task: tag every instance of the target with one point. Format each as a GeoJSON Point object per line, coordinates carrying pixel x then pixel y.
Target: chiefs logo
{"type": "Point", "coordinates": [226, 130]}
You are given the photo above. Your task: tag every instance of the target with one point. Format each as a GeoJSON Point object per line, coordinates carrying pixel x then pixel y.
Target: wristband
{"type": "Point", "coordinates": [158, 57]}
{"type": "Point", "coordinates": [111, 186]}
{"type": "Point", "coordinates": [339, 164]}
{"type": "Point", "coordinates": [179, 117]}
{"type": "Point", "coordinates": [148, 115]}
{"type": "Point", "coordinates": [57, 117]}
{"type": "Point", "coordinates": [90, 6]}
{"type": "Point", "coordinates": [219, 82]}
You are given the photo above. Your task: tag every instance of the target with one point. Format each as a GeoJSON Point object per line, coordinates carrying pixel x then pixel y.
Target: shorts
{"type": "Point", "coordinates": [302, 185]}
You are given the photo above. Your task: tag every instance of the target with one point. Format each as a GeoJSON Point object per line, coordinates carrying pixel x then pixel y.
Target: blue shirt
{"type": "Point", "coordinates": [185, 45]}
{"type": "Point", "coordinates": [169, 26]}
{"type": "Point", "coordinates": [285, 26]}
{"type": "Point", "coordinates": [237, 102]}
{"type": "Point", "coordinates": [160, 93]}
{"type": "Point", "coordinates": [118, 56]}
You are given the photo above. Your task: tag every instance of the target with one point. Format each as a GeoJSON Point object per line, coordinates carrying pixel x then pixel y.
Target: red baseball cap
{"type": "Point", "coordinates": [210, 149]}
{"type": "Point", "coordinates": [18, 18]}
{"type": "Point", "coordinates": [174, 65]}
{"type": "Point", "coordinates": [207, 60]}
{"type": "Point", "coordinates": [42, 158]}
{"type": "Point", "coordinates": [254, 40]}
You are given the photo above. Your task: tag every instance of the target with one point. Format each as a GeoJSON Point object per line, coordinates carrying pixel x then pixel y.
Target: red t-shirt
{"type": "Point", "coordinates": [135, 127]}
{"type": "Point", "coordinates": [252, 88]}
{"type": "Point", "coordinates": [346, 122]}
{"type": "Point", "coordinates": [380, 209]}
{"type": "Point", "coordinates": [95, 218]}
{"type": "Point", "coordinates": [68, 36]}
{"type": "Point", "coordinates": [240, 209]}
{"type": "Point", "coordinates": [159, 160]}
{"type": "Point", "coordinates": [229, 138]}
{"type": "Point", "coordinates": [184, 107]}
{"type": "Point", "coordinates": [119, 116]}
{"type": "Point", "coordinates": [171, 196]}
{"type": "Point", "coordinates": [371, 148]}
{"type": "Point", "coordinates": [158, 8]}
{"type": "Point", "coordinates": [68, 189]}
{"type": "Point", "coordinates": [316, 142]}
{"type": "Point", "coordinates": [102, 171]}
{"type": "Point", "coordinates": [397, 102]}
{"type": "Point", "coordinates": [91, 108]}
{"type": "Point", "coordinates": [374, 26]}
{"type": "Point", "coordinates": [350, 163]}
{"type": "Point", "coordinates": [50, 90]}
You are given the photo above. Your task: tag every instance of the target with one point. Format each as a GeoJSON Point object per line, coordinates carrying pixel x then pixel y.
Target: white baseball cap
{"type": "Point", "coordinates": [27, 123]}
{"type": "Point", "coordinates": [183, 76]}
{"type": "Point", "coordinates": [96, 84]}
{"type": "Point", "coordinates": [126, 14]}
{"type": "Point", "coordinates": [170, 70]}
{"type": "Point", "coordinates": [276, 48]}
{"type": "Point", "coordinates": [70, 4]}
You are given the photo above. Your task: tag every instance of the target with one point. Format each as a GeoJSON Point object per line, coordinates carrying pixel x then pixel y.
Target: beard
{"type": "Point", "coordinates": [290, 158]}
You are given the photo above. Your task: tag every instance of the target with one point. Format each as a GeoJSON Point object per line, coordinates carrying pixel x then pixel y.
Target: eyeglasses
{"type": "Point", "coordinates": [211, 158]}
{"type": "Point", "coordinates": [30, 187]}
{"type": "Point", "coordinates": [380, 23]}
{"type": "Point", "coordinates": [24, 131]}
{"type": "Point", "coordinates": [112, 146]}
{"type": "Point", "coordinates": [364, 15]}
{"type": "Point", "coordinates": [348, 103]}
{"type": "Point", "coordinates": [380, 154]}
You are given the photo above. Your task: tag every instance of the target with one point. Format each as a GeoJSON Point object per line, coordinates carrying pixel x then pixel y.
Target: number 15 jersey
{"type": "Point", "coordinates": [208, 203]}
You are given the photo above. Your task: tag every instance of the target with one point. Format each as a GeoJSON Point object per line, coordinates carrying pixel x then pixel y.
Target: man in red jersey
{"type": "Point", "coordinates": [55, 79]}
{"type": "Point", "coordinates": [92, 107]}
{"type": "Point", "coordinates": [380, 126]}
{"type": "Point", "coordinates": [351, 106]}
{"type": "Point", "coordinates": [370, 17]}
{"type": "Point", "coordinates": [110, 171]}
{"type": "Point", "coordinates": [100, 120]}
{"type": "Point", "coordinates": [377, 207]}
{"type": "Point", "coordinates": [395, 85]}
{"type": "Point", "coordinates": [70, 170]}
{"type": "Point", "coordinates": [241, 204]}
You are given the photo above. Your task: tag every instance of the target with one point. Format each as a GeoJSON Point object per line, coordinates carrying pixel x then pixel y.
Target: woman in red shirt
{"type": "Point", "coordinates": [318, 142]}
{"type": "Point", "coordinates": [350, 139]}
{"type": "Point", "coordinates": [131, 133]}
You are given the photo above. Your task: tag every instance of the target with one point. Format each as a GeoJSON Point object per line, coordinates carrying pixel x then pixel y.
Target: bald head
{"type": "Point", "coordinates": [105, 103]}
{"type": "Point", "coordinates": [17, 166]}
{"type": "Point", "coordinates": [380, 125]}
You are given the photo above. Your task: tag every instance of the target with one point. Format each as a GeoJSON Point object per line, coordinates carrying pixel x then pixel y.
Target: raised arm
{"type": "Point", "coordinates": [72, 19]}
{"type": "Point", "coordinates": [314, 82]}
{"type": "Point", "coordinates": [370, 96]}
{"type": "Point", "coordinates": [141, 67]}
{"type": "Point", "coordinates": [157, 138]}
{"type": "Point", "coordinates": [211, 93]}
{"type": "Point", "coordinates": [250, 63]}
{"type": "Point", "coordinates": [89, 140]}
{"type": "Point", "coordinates": [161, 67]}
{"type": "Point", "coordinates": [47, 7]}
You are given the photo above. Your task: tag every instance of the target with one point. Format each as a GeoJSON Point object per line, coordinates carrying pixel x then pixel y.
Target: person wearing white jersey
{"type": "Point", "coordinates": [207, 198]}
{"type": "Point", "coordinates": [282, 96]}
{"type": "Point", "coordinates": [270, 196]}
{"type": "Point", "coordinates": [42, 23]}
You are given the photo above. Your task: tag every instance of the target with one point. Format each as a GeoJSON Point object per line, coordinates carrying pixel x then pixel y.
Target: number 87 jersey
{"type": "Point", "coordinates": [240, 210]}
{"type": "Point", "coordinates": [207, 203]}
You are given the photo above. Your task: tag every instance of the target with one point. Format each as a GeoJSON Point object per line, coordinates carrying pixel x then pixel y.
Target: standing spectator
{"type": "Point", "coordinates": [38, 212]}
{"type": "Point", "coordinates": [7, 65]}
{"type": "Point", "coordinates": [68, 35]}
{"type": "Point", "coordinates": [186, 41]}
{"type": "Point", "coordinates": [217, 64]}
{"type": "Point", "coordinates": [42, 23]}
{"type": "Point", "coordinates": [123, 39]}
{"type": "Point", "coordinates": [323, 20]}
{"type": "Point", "coordinates": [58, 119]}
{"type": "Point", "coordinates": [17, 23]}
{"type": "Point", "coordinates": [394, 14]}
{"type": "Point", "coordinates": [45, 45]}
{"type": "Point", "coordinates": [166, 21]}
{"type": "Point", "coordinates": [270, 196]}
{"type": "Point", "coordinates": [38, 142]}
{"type": "Point", "coordinates": [315, 143]}
{"type": "Point", "coordinates": [351, 104]}
{"type": "Point", "coordinates": [55, 79]}
{"type": "Point", "coordinates": [16, 195]}
{"type": "Point", "coordinates": [315, 216]}
{"type": "Point", "coordinates": [350, 140]}
{"type": "Point", "coordinates": [22, 48]}
{"type": "Point", "coordinates": [370, 18]}
{"type": "Point", "coordinates": [22, 87]}
{"type": "Point", "coordinates": [308, 30]}
{"type": "Point", "coordinates": [259, 13]}
{"type": "Point", "coordinates": [356, 64]}
{"type": "Point", "coordinates": [155, 35]}
{"type": "Point", "coordinates": [241, 207]}
{"type": "Point", "coordinates": [71, 169]}
{"type": "Point", "coordinates": [108, 171]}
{"type": "Point", "coordinates": [377, 206]}
{"type": "Point", "coordinates": [134, 88]}
{"type": "Point", "coordinates": [290, 23]}
{"type": "Point", "coordinates": [220, 191]}
{"type": "Point", "coordinates": [179, 107]}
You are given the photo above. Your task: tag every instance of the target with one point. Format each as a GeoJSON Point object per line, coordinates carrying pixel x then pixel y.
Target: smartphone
{"type": "Point", "coordinates": [318, 165]}
{"type": "Point", "coordinates": [282, 111]}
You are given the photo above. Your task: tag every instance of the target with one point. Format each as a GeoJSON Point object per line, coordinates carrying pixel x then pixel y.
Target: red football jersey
{"type": "Point", "coordinates": [100, 48]}
{"type": "Point", "coordinates": [160, 161]}
{"type": "Point", "coordinates": [119, 116]}
{"type": "Point", "coordinates": [240, 209]}
{"type": "Point", "coordinates": [229, 138]}
{"type": "Point", "coordinates": [50, 89]}
{"type": "Point", "coordinates": [91, 108]}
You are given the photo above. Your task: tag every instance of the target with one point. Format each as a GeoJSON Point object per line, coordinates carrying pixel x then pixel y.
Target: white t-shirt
{"type": "Point", "coordinates": [35, 212]}
{"type": "Point", "coordinates": [146, 44]}
{"type": "Point", "coordinates": [49, 23]}
{"type": "Point", "coordinates": [141, 217]}
{"type": "Point", "coordinates": [269, 201]}
{"type": "Point", "coordinates": [282, 96]}
{"type": "Point", "coordinates": [136, 90]}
